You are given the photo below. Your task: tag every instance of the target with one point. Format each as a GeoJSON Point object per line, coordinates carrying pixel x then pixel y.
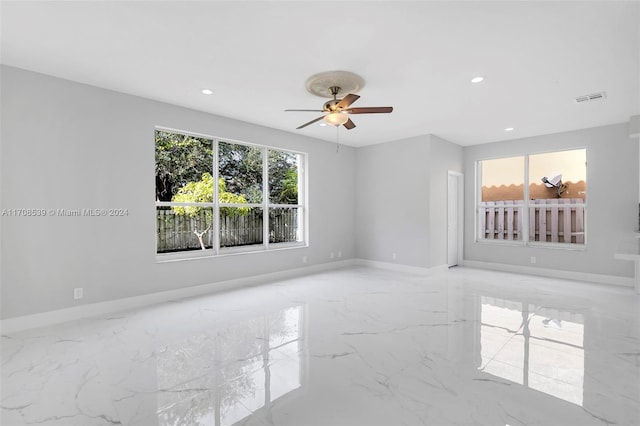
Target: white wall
{"type": "Point", "coordinates": [392, 210]}
{"type": "Point", "coordinates": [402, 200]}
{"type": "Point", "coordinates": [612, 188]}
{"type": "Point", "coordinates": [68, 145]}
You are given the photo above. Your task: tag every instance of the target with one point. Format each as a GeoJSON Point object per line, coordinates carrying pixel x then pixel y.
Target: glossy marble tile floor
{"type": "Point", "coordinates": [356, 346]}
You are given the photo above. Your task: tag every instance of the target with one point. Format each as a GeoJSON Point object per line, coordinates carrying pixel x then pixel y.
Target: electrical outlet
{"type": "Point", "coordinates": [304, 259]}
{"type": "Point", "coordinates": [394, 256]}
{"type": "Point", "coordinates": [331, 256]}
{"type": "Point", "coordinates": [77, 293]}
{"type": "Point", "coordinates": [533, 259]}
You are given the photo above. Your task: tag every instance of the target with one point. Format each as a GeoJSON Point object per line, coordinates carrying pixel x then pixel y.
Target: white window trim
{"type": "Point", "coordinates": [524, 242]}
{"type": "Point", "coordinates": [216, 250]}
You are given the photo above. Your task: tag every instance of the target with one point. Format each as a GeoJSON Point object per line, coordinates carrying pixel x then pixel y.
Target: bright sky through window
{"type": "Point", "coordinates": [509, 171]}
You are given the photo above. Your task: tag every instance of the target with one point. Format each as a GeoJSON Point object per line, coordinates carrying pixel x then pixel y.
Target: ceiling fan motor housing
{"type": "Point", "coordinates": [331, 105]}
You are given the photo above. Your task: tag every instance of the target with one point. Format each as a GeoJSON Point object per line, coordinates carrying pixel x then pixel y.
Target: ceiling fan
{"type": "Point", "coordinates": [337, 111]}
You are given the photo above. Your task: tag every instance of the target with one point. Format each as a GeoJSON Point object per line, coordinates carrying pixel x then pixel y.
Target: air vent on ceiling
{"type": "Point", "coordinates": [592, 97]}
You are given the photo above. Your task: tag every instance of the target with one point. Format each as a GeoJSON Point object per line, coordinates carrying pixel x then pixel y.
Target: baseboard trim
{"type": "Point", "coordinates": [17, 324]}
{"type": "Point", "coordinates": [553, 273]}
{"type": "Point", "coordinates": [21, 323]}
{"type": "Point", "coordinates": [400, 268]}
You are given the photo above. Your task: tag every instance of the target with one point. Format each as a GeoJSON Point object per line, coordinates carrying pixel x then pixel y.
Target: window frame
{"type": "Point", "coordinates": [216, 250]}
{"type": "Point", "coordinates": [527, 205]}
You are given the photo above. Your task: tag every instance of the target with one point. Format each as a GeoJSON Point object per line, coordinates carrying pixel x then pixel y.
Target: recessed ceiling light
{"type": "Point", "coordinates": [477, 79]}
{"type": "Point", "coordinates": [322, 123]}
{"type": "Point", "coordinates": [207, 92]}
{"type": "Point", "coordinates": [508, 129]}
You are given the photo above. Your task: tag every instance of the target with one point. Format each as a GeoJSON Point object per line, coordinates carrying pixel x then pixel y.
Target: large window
{"type": "Point", "coordinates": [214, 195]}
{"type": "Point", "coordinates": [533, 199]}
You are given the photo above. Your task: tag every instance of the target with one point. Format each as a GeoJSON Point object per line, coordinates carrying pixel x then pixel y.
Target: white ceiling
{"type": "Point", "coordinates": [417, 56]}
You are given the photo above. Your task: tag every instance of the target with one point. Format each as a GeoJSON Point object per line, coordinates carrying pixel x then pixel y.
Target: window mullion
{"type": "Point", "coordinates": [179, 204]}
{"type": "Point", "coordinates": [216, 197]}
{"type": "Point", "coordinates": [265, 197]}
{"type": "Point", "coordinates": [478, 200]}
{"type": "Point", "coordinates": [240, 205]}
{"type": "Point", "coordinates": [526, 212]}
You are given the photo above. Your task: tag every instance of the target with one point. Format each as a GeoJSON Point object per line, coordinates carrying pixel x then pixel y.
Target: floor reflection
{"type": "Point", "coordinates": [351, 347]}
{"type": "Point", "coordinates": [233, 373]}
{"type": "Point", "coordinates": [538, 348]}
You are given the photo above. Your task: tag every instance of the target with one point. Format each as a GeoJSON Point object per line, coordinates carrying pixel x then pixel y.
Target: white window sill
{"type": "Point", "coordinates": [558, 246]}
{"type": "Point", "coordinates": [511, 243]}
{"type": "Point", "coordinates": [225, 251]}
{"type": "Point", "coordinates": [535, 244]}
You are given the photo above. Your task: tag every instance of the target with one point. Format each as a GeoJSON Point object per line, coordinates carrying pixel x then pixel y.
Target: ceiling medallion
{"type": "Point", "coordinates": [320, 84]}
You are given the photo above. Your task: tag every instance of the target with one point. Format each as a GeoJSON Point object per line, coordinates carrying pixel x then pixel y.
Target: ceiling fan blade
{"type": "Point", "coordinates": [310, 122]}
{"type": "Point", "coordinates": [304, 110]}
{"type": "Point", "coordinates": [348, 100]}
{"type": "Point", "coordinates": [369, 110]}
{"type": "Point", "coordinates": [349, 124]}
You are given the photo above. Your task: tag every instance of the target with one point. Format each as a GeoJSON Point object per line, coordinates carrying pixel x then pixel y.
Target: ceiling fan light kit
{"type": "Point", "coordinates": [336, 118]}
{"type": "Point", "coordinates": [337, 111]}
